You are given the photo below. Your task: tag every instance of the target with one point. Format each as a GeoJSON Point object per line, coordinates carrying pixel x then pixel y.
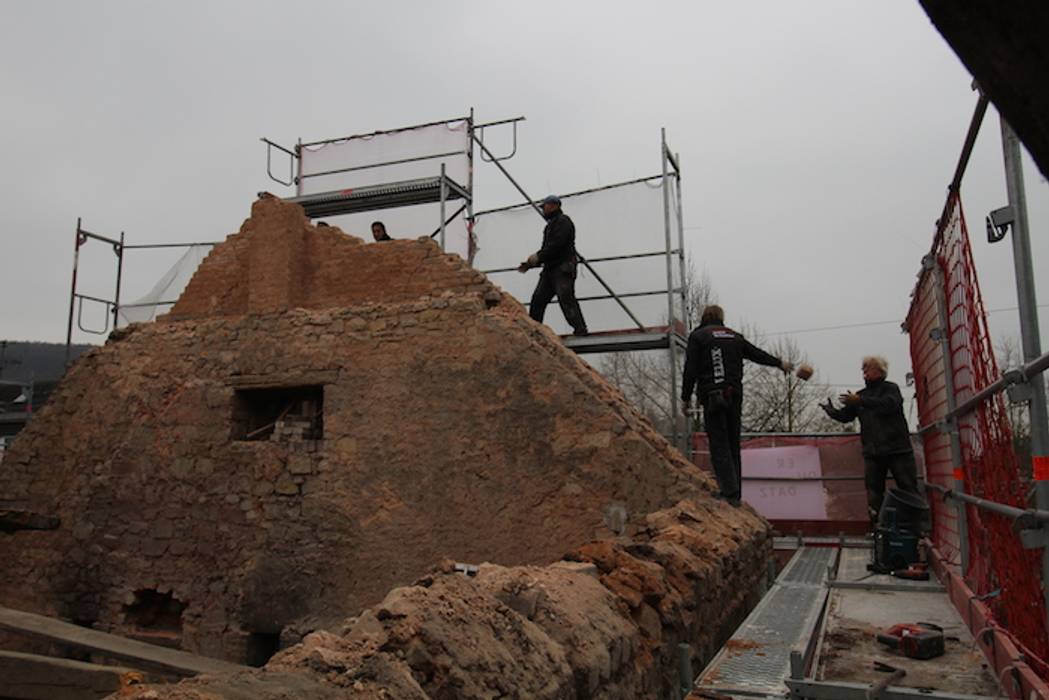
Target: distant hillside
{"type": "Point", "coordinates": [30, 360]}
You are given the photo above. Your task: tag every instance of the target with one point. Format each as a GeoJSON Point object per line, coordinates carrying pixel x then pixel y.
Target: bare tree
{"type": "Point", "coordinates": [779, 402]}
{"type": "Point", "coordinates": [643, 376]}
{"type": "Point", "coordinates": [1009, 356]}
{"type": "Point", "coordinates": [773, 401]}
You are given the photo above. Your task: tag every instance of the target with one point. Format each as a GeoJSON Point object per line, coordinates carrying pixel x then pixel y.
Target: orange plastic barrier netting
{"type": "Point", "coordinates": [999, 568]}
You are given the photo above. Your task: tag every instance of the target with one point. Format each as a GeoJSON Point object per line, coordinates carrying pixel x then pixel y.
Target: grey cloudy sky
{"type": "Point", "coordinates": [817, 138]}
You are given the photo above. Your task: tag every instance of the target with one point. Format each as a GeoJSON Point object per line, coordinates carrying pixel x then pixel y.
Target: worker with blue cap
{"type": "Point", "coordinates": [559, 261]}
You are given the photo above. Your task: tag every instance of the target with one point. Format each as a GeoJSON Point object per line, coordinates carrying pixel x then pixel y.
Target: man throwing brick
{"type": "Point", "coordinates": [714, 369]}
{"type": "Point", "coordinates": [558, 259]}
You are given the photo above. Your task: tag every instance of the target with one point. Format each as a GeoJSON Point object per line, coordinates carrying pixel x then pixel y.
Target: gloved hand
{"type": "Point", "coordinates": [532, 261]}
{"type": "Point", "coordinates": [829, 406]}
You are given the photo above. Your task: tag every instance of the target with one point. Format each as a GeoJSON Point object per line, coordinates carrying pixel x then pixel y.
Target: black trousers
{"type": "Point", "coordinates": [723, 420]}
{"type": "Point", "coordinates": [903, 469]}
{"type": "Point", "coordinates": [558, 280]}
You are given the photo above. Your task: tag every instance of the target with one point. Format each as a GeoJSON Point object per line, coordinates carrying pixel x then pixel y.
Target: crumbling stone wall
{"type": "Point", "coordinates": [452, 425]}
{"type": "Point", "coordinates": [278, 261]}
{"type": "Point", "coordinates": [605, 625]}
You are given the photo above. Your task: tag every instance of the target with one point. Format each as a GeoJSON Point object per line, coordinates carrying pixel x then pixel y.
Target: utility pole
{"type": "Point", "coordinates": [1029, 333]}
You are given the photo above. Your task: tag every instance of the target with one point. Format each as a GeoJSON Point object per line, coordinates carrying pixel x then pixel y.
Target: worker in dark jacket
{"type": "Point", "coordinates": [714, 369]}
{"type": "Point", "coordinates": [883, 431]}
{"type": "Point", "coordinates": [558, 259]}
{"type": "Point", "coordinates": [379, 232]}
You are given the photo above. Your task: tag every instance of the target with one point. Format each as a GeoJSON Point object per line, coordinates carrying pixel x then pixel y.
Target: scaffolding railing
{"type": "Point", "coordinates": [990, 535]}
{"type": "Point", "coordinates": [404, 167]}
{"type": "Point", "coordinates": [633, 294]}
{"type": "Point", "coordinates": [112, 307]}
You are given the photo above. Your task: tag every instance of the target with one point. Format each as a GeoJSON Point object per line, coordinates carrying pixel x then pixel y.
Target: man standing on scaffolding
{"type": "Point", "coordinates": [558, 259]}
{"type": "Point", "coordinates": [884, 433]}
{"type": "Point", "coordinates": [714, 368]}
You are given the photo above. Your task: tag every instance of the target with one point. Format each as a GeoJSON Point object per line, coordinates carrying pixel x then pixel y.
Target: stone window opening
{"type": "Point", "coordinates": [155, 612]}
{"type": "Point", "coordinates": [260, 648]}
{"type": "Point", "coordinates": [291, 413]}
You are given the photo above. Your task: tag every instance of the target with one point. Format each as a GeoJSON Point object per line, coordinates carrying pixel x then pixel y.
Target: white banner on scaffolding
{"type": "Point", "coordinates": [621, 220]}
{"type": "Point", "coordinates": [410, 154]}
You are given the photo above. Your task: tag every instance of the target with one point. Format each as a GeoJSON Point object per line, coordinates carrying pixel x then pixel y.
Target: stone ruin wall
{"type": "Point", "coordinates": [453, 427]}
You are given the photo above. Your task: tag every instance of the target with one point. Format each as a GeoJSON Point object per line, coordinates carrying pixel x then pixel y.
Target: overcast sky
{"type": "Point", "coordinates": [817, 138]}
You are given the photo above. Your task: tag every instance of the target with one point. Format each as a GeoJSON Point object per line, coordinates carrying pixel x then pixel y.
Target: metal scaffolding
{"type": "Point", "coordinates": [359, 179]}
{"type": "Point", "coordinates": [434, 163]}
{"type": "Point", "coordinates": [671, 332]}
{"type": "Point", "coordinates": [112, 307]}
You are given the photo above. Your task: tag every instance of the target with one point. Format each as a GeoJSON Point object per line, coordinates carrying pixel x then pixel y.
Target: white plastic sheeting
{"type": "Point", "coordinates": [363, 151]}
{"type": "Point", "coordinates": [167, 289]}
{"type": "Point", "coordinates": [620, 220]}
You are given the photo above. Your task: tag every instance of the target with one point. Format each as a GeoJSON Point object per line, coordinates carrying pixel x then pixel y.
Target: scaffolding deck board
{"type": "Point", "coordinates": [111, 646]}
{"type": "Point", "coordinates": [756, 661]}
{"type": "Point", "coordinates": [373, 197]}
{"type": "Point", "coordinates": [837, 629]}
{"type": "Point", "coordinates": [618, 341]}
{"type": "Point", "coordinates": [849, 648]}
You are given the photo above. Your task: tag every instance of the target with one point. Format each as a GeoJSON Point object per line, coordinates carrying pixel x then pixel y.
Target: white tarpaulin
{"type": "Point", "coordinates": [620, 220]}
{"type": "Point", "coordinates": [167, 289]}
{"type": "Point", "coordinates": [423, 148]}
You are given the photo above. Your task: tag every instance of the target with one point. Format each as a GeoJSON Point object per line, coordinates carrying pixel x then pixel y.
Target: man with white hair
{"type": "Point", "coordinates": [884, 432]}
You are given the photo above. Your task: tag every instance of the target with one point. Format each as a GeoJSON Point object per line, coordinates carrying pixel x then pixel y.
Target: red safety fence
{"type": "Point", "coordinates": [948, 369]}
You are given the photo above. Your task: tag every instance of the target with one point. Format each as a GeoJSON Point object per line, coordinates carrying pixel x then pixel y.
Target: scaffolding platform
{"type": "Point", "coordinates": [625, 341]}
{"type": "Point", "coordinates": [756, 660]}
{"type": "Point", "coordinates": [813, 636]}
{"type": "Point", "coordinates": [424, 190]}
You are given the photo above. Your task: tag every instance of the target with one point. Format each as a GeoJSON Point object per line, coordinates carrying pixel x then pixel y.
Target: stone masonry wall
{"type": "Point", "coordinates": [279, 261]}
{"type": "Point", "coordinates": [605, 625]}
{"type": "Point", "coordinates": [453, 427]}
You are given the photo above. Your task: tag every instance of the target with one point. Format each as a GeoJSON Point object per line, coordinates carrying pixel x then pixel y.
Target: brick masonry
{"type": "Point", "coordinates": [453, 427]}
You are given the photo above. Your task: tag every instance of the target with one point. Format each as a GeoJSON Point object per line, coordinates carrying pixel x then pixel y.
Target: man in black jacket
{"type": "Point", "coordinates": [714, 369]}
{"type": "Point", "coordinates": [558, 260]}
{"type": "Point", "coordinates": [883, 431]}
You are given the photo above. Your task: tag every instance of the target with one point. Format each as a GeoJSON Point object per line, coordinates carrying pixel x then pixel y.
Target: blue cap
{"type": "Point", "coordinates": [552, 199]}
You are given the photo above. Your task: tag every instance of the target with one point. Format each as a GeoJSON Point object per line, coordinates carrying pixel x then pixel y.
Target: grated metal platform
{"type": "Point", "coordinates": [756, 661]}
{"type": "Point", "coordinates": [372, 197]}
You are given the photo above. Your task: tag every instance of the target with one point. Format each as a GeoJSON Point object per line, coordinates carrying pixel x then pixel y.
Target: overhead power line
{"type": "Point", "coordinates": [866, 324]}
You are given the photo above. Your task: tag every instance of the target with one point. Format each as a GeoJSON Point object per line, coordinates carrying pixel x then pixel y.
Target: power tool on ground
{"type": "Point", "coordinates": [922, 640]}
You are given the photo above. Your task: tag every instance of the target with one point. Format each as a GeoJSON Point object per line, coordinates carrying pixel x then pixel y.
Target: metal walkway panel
{"type": "Point", "coordinates": [373, 197]}
{"type": "Point", "coordinates": [755, 662]}
{"type": "Point", "coordinates": [111, 646]}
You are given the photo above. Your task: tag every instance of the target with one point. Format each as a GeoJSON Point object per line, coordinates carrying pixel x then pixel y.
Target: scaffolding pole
{"type": "Point", "coordinates": [1029, 333]}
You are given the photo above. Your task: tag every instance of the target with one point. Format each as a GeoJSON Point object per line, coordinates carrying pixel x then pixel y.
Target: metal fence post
{"type": "Point", "coordinates": [1029, 333]}
{"type": "Point", "coordinates": [444, 196]}
{"type": "Point", "coordinates": [944, 338]}
{"type": "Point", "coordinates": [671, 345]}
